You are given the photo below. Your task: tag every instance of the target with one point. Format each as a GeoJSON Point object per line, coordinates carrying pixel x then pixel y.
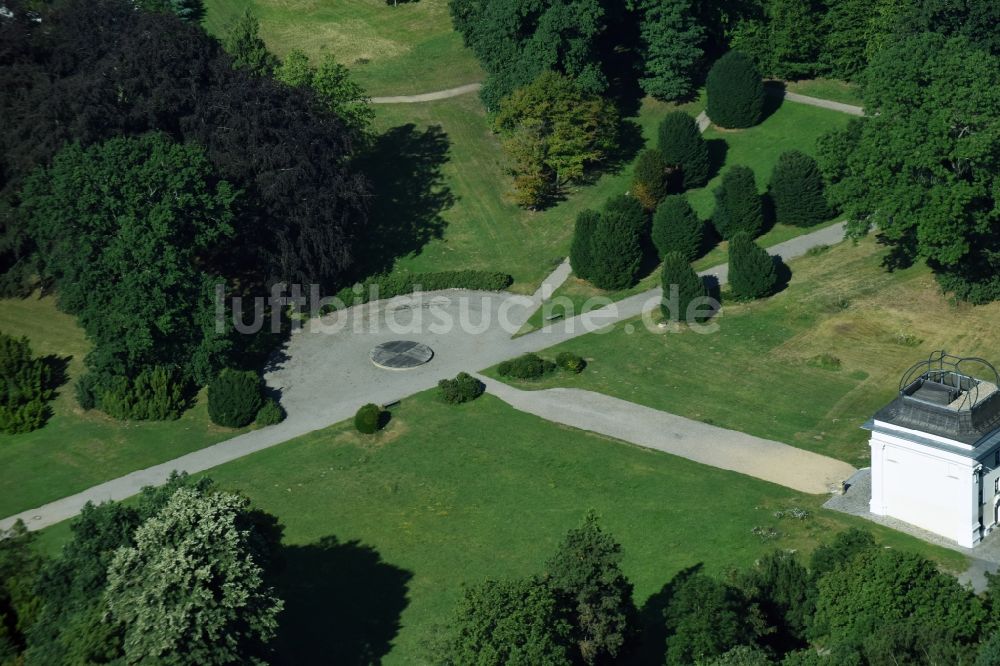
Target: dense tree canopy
{"type": "Point", "coordinates": [671, 44]}
{"type": "Point", "coordinates": [922, 168]}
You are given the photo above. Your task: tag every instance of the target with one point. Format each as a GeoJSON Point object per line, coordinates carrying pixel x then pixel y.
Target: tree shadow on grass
{"type": "Point", "coordinates": [652, 647]}
{"type": "Point", "coordinates": [404, 165]}
{"type": "Point", "coordinates": [717, 151]}
{"type": "Point", "coordinates": [342, 603]}
{"type": "Point", "coordinates": [783, 272]}
{"type": "Point", "coordinates": [774, 97]}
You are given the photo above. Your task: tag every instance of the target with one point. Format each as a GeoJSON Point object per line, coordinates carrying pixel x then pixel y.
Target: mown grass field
{"type": "Point", "coordinates": [763, 371]}
{"type": "Point", "coordinates": [402, 50]}
{"type": "Point", "coordinates": [452, 495]}
{"type": "Point", "coordinates": [77, 449]}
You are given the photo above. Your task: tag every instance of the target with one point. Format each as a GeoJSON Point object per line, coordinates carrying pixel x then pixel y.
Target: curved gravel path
{"type": "Point", "coordinates": [430, 96]}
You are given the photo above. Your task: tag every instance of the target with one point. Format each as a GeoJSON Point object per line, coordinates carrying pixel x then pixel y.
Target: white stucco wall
{"type": "Point", "coordinates": [927, 487]}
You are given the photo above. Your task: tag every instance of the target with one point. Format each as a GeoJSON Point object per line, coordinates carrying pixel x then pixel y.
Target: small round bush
{"type": "Point", "coordinates": [735, 92]}
{"type": "Point", "coordinates": [529, 366]}
{"type": "Point", "coordinates": [368, 419]}
{"type": "Point", "coordinates": [270, 413]}
{"type": "Point", "coordinates": [234, 397]}
{"type": "Point", "coordinates": [463, 388]}
{"type": "Point", "coordinates": [570, 362]}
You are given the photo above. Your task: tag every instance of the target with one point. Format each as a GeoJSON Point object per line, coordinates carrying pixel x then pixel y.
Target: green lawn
{"type": "Point", "coordinates": [474, 222]}
{"type": "Point", "coordinates": [452, 495]}
{"type": "Point", "coordinates": [76, 449]}
{"type": "Point", "coordinates": [759, 373]}
{"type": "Point", "coordinates": [832, 89]}
{"type": "Point", "coordinates": [399, 50]}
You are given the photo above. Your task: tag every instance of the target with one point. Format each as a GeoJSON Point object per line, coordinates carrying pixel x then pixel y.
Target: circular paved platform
{"type": "Point", "coordinates": [401, 355]}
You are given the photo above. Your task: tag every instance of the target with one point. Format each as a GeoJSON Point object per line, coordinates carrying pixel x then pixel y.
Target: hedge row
{"type": "Point", "coordinates": [397, 284]}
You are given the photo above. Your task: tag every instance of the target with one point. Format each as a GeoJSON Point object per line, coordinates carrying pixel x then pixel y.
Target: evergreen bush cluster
{"type": "Point", "coordinates": [676, 228]}
{"type": "Point", "coordinates": [25, 386]}
{"type": "Point", "coordinates": [751, 269]}
{"type": "Point", "coordinates": [680, 276]}
{"type": "Point", "coordinates": [797, 190]}
{"type": "Point", "coordinates": [735, 92]}
{"type": "Point", "coordinates": [234, 397]}
{"type": "Point", "coordinates": [270, 413]}
{"type": "Point", "coordinates": [649, 180]}
{"type": "Point", "coordinates": [397, 284]}
{"type": "Point", "coordinates": [684, 149]}
{"type": "Point", "coordinates": [738, 205]}
{"type": "Point", "coordinates": [607, 246]}
{"type": "Point", "coordinates": [369, 419]}
{"type": "Point", "coordinates": [570, 362]}
{"type": "Point", "coordinates": [155, 394]}
{"type": "Point", "coordinates": [529, 366]}
{"type": "Point", "coordinates": [463, 388]}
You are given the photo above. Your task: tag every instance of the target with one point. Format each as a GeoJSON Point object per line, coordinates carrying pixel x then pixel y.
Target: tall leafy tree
{"type": "Point", "coordinates": [586, 578]}
{"type": "Point", "coordinates": [850, 27]}
{"type": "Point", "coordinates": [190, 589]}
{"type": "Point", "coordinates": [784, 591]}
{"type": "Point", "coordinates": [671, 40]}
{"type": "Point", "coordinates": [683, 148]}
{"type": "Point", "coordinates": [333, 85]}
{"type": "Point", "coordinates": [786, 42]}
{"type": "Point", "coordinates": [738, 206]}
{"type": "Point", "coordinates": [922, 168]}
{"type": "Point", "coordinates": [735, 92]}
{"type": "Point", "coordinates": [20, 563]}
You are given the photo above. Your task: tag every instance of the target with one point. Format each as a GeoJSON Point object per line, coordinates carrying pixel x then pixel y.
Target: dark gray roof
{"type": "Point", "coordinates": [925, 410]}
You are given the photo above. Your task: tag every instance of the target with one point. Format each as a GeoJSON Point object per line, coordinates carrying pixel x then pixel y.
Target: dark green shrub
{"type": "Point", "coordinates": [649, 179]}
{"type": "Point", "coordinates": [155, 394]}
{"type": "Point", "coordinates": [680, 276]}
{"type": "Point", "coordinates": [751, 269]}
{"type": "Point", "coordinates": [463, 388]}
{"type": "Point", "coordinates": [234, 397]}
{"type": "Point", "coordinates": [570, 362]}
{"type": "Point", "coordinates": [87, 391]}
{"type": "Point", "coordinates": [397, 284]}
{"type": "Point", "coordinates": [683, 147]}
{"type": "Point", "coordinates": [797, 190]}
{"type": "Point", "coordinates": [368, 419]}
{"type": "Point", "coordinates": [529, 366]}
{"type": "Point", "coordinates": [581, 252]}
{"type": "Point", "coordinates": [735, 92]}
{"type": "Point", "coordinates": [617, 244]}
{"type": "Point", "coordinates": [676, 228]}
{"type": "Point", "coordinates": [270, 413]}
{"type": "Point", "coordinates": [738, 206]}
{"type": "Point", "coordinates": [25, 386]}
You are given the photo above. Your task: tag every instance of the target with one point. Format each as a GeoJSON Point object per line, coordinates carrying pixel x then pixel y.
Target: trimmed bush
{"type": "Point", "coordinates": [617, 248]}
{"type": "Point", "coordinates": [155, 394]}
{"type": "Point", "coordinates": [529, 366]}
{"type": "Point", "coordinates": [751, 269]}
{"type": "Point", "coordinates": [570, 362]}
{"type": "Point", "coordinates": [678, 274]}
{"type": "Point", "coordinates": [368, 419]}
{"type": "Point", "coordinates": [396, 284]}
{"type": "Point", "coordinates": [25, 386]}
{"type": "Point", "coordinates": [271, 413]}
{"type": "Point", "coordinates": [676, 228]}
{"type": "Point", "coordinates": [234, 398]}
{"type": "Point", "coordinates": [797, 190]}
{"type": "Point", "coordinates": [463, 388]}
{"type": "Point", "coordinates": [735, 92]}
{"type": "Point", "coordinates": [581, 252]}
{"type": "Point", "coordinates": [683, 147]}
{"type": "Point", "coordinates": [738, 206]}
{"type": "Point", "coordinates": [649, 180]}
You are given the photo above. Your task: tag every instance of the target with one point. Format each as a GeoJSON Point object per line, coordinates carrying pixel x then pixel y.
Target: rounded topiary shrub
{"type": "Point", "coordinates": [676, 228]}
{"type": "Point", "coordinates": [571, 362]}
{"type": "Point", "coordinates": [368, 419]}
{"type": "Point", "coordinates": [649, 179]}
{"type": "Point", "coordinates": [581, 252]}
{"type": "Point", "coordinates": [683, 147]}
{"type": "Point", "coordinates": [681, 287]}
{"type": "Point", "coordinates": [270, 413]}
{"type": "Point", "coordinates": [797, 190]}
{"type": "Point", "coordinates": [751, 269]}
{"type": "Point", "coordinates": [529, 366]}
{"type": "Point", "coordinates": [234, 397]}
{"type": "Point", "coordinates": [463, 388]}
{"type": "Point", "coordinates": [738, 206]}
{"type": "Point", "coordinates": [735, 92]}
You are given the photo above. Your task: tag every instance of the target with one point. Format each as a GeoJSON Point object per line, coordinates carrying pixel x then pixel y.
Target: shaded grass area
{"type": "Point", "coordinates": [479, 226]}
{"type": "Point", "coordinates": [402, 50]}
{"type": "Point", "coordinates": [385, 530]}
{"type": "Point", "coordinates": [760, 373]}
{"type": "Point", "coordinates": [77, 449]}
{"type": "Point", "coordinates": [831, 89]}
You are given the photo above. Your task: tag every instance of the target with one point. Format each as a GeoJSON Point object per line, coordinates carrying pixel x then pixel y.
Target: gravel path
{"type": "Point", "coordinates": [816, 101]}
{"type": "Point", "coordinates": [772, 461]}
{"type": "Point", "coordinates": [428, 97]}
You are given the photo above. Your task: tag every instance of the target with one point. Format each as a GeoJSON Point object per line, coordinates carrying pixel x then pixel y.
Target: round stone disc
{"type": "Point", "coordinates": [401, 355]}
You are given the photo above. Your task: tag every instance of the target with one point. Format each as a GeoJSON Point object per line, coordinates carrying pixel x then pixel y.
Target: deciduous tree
{"type": "Point", "coordinates": [671, 39]}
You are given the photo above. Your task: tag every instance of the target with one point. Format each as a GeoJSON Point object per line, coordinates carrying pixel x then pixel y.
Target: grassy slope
{"type": "Point", "coordinates": [77, 449]}
{"type": "Point", "coordinates": [450, 495]}
{"type": "Point", "coordinates": [754, 374]}
{"type": "Point", "coordinates": [399, 50]}
{"type": "Point", "coordinates": [484, 229]}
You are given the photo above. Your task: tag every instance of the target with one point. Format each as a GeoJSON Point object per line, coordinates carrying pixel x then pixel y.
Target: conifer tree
{"type": "Point", "coordinates": [735, 92]}
{"type": "Point", "coordinates": [616, 250]}
{"type": "Point", "coordinates": [752, 273]}
{"type": "Point", "coordinates": [738, 206]}
{"type": "Point", "coordinates": [682, 146]}
{"type": "Point", "coordinates": [581, 252]}
{"type": "Point", "coordinates": [680, 276]}
{"type": "Point", "coordinates": [649, 180]}
{"type": "Point", "coordinates": [797, 190]}
{"type": "Point", "coordinates": [676, 228]}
